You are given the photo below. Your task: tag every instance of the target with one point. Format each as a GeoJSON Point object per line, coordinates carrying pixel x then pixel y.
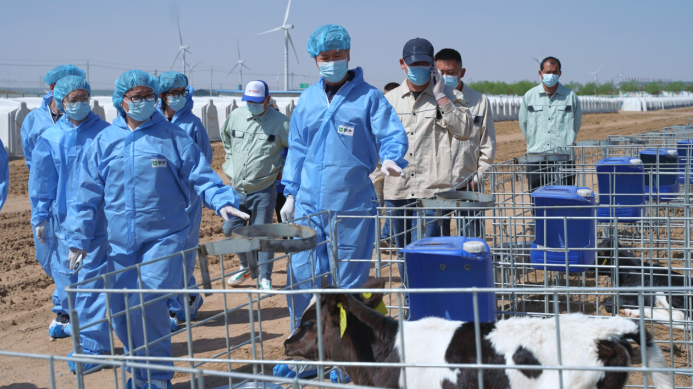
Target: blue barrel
{"type": "Point", "coordinates": [685, 153]}
{"type": "Point", "coordinates": [621, 182]}
{"type": "Point", "coordinates": [664, 176]}
{"type": "Point", "coordinates": [571, 201]}
{"type": "Point", "coordinates": [450, 262]}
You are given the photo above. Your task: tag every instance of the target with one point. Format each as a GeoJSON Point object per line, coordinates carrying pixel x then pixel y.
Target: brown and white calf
{"type": "Point", "coordinates": [372, 337]}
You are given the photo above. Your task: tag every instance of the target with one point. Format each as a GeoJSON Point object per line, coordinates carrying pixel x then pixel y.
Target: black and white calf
{"type": "Point", "coordinates": [633, 271]}
{"type": "Point", "coordinates": [372, 337]}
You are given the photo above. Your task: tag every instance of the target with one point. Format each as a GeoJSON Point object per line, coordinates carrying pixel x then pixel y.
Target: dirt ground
{"type": "Point", "coordinates": [25, 290]}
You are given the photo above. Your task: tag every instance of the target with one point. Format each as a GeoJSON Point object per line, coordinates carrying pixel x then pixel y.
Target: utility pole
{"type": "Point", "coordinates": [88, 71]}
{"type": "Point", "coordinates": [211, 79]}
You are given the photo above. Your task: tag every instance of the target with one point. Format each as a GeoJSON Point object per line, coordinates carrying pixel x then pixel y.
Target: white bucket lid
{"type": "Point", "coordinates": [474, 247]}
{"type": "Point", "coordinates": [636, 161]}
{"type": "Point", "coordinates": [584, 192]}
{"type": "Point", "coordinates": [672, 152]}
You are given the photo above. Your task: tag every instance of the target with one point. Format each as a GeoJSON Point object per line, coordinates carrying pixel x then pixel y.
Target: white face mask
{"type": "Point", "coordinates": [550, 79]}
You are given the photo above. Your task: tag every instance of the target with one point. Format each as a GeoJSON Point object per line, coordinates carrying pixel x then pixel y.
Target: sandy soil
{"type": "Point", "coordinates": [25, 290]}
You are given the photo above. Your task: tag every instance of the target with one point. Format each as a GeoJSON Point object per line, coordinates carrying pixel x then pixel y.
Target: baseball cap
{"type": "Point", "coordinates": [417, 49]}
{"type": "Point", "coordinates": [255, 92]}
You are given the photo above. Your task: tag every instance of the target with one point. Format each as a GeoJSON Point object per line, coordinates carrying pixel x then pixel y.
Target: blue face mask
{"type": "Point", "coordinates": [333, 71]}
{"type": "Point", "coordinates": [419, 75]}
{"type": "Point", "coordinates": [550, 79]}
{"type": "Point", "coordinates": [141, 111]}
{"type": "Point", "coordinates": [451, 81]}
{"type": "Point", "coordinates": [77, 111]}
{"type": "Point", "coordinates": [177, 103]}
{"type": "Point", "coordinates": [255, 109]}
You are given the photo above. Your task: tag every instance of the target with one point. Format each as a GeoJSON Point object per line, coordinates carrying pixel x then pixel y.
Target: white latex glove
{"type": "Point", "coordinates": [41, 231]}
{"type": "Point", "coordinates": [76, 258]}
{"type": "Point", "coordinates": [229, 210]}
{"type": "Point", "coordinates": [439, 87]}
{"type": "Point", "coordinates": [287, 211]}
{"type": "Point", "coordinates": [390, 168]}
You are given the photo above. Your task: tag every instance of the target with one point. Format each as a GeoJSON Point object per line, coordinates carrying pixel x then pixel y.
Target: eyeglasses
{"type": "Point", "coordinates": [138, 99]}
{"type": "Point", "coordinates": [74, 103]}
{"type": "Point", "coordinates": [177, 94]}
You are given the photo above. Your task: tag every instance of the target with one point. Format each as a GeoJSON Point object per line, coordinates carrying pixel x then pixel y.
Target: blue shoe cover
{"type": "Point", "coordinates": [133, 384]}
{"type": "Point", "coordinates": [58, 330]}
{"type": "Point", "coordinates": [86, 367]}
{"type": "Point", "coordinates": [194, 308]}
{"type": "Point", "coordinates": [334, 377]}
{"type": "Point", "coordinates": [285, 372]}
{"type": "Point", "coordinates": [174, 323]}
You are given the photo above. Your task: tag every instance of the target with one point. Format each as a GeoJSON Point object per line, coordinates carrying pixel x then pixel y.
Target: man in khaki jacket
{"type": "Point", "coordinates": [433, 114]}
{"type": "Point", "coordinates": [476, 154]}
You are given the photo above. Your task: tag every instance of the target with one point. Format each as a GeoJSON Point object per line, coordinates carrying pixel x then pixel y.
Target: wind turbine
{"type": "Point", "coordinates": [287, 40]}
{"type": "Point", "coordinates": [596, 74]}
{"type": "Point", "coordinates": [182, 49]}
{"type": "Point", "coordinates": [541, 56]}
{"type": "Point", "coordinates": [191, 70]}
{"type": "Point", "coordinates": [240, 64]}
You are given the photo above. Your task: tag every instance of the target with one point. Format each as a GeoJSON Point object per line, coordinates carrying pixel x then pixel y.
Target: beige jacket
{"type": "Point", "coordinates": [430, 130]}
{"type": "Point", "coordinates": [478, 151]}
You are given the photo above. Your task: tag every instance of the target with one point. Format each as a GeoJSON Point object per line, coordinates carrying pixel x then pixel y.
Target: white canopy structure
{"type": "Point", "coordinates": [213, 111]}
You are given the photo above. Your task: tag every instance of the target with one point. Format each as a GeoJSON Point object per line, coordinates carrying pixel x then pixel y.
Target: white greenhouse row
{"type": "Point", "coordinates": [214, 110]}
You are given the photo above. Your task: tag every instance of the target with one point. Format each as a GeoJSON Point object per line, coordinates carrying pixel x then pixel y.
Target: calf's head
{"type": "Point", "coordinates": [335, 316]}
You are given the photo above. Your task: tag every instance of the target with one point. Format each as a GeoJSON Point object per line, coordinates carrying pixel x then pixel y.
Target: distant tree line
{"type": "Point", "coordinates": [519, 88]}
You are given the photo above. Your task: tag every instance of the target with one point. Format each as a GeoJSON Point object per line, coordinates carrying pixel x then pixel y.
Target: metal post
{"type": "Point", "coordinates": [286, 59]}
{"type": "Point", "coordinates": [321, 353]}
{"type": "Point", "coordinates": [477, 338]}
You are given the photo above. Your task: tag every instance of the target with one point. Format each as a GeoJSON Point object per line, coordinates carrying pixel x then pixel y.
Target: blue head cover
{"type": "Point", "coordinates": [66, 85]}
{"type": "Point", "coordinates": [328, 37]}
{"type": "Point", "coordinates": [170, 80]}
{"type": "Point", "coordinates": [61, 71]}
{"type": "Point", "coordinates": [129, 80]}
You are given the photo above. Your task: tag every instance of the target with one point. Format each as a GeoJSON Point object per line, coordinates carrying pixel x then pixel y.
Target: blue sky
{"type": "Point", "coordinates": [496, 38]}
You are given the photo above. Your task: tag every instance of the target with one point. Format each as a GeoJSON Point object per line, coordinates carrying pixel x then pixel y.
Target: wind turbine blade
{"type": "Point", "coordinates": [292, 46]}
{"type": "Point", "coordinates": [600, 68]}
{"type": "Point", "coordinates": [232, 69]}
{"type": "Point", "coordinates": [286, 17]}
{"type": "Point", "coordinates": [273, 30]}
{"type": "Point", "coordinates": [192, 67]}
{"type": "Point", "coordinates": [176, 59]}
{"type": "Point", "coordinates": [536, 60]}
{"type": "Point", "coordinates": [245, 66]}
{"type": "Point", "coordinates": [188, 51]}
{"type": "Point", "coordinates": [238, 46]}
{"type": "Point", "coordinates": [179, 34]}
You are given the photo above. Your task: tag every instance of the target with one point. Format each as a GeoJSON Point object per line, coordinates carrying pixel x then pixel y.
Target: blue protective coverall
{"type": "Point", "coordinates": [35, 123]}
{"type": "Point", "coordinates": [333, 147]}
{"type": "Point", "coordinates": [142, 179]}
{"type": "Point", "coordinates": [55, 174]}
{"type": "Point", "coordinates": [4, 174]}
{"type": "Point", "coordinates": [192, 125]}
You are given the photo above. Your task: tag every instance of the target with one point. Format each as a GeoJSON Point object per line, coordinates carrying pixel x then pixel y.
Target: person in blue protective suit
{"type": "Point", "coordinates": [140, 172]}
{"type": "Point", "coordinates": [35, 123]}
{"type": "Point", "coordinates": [176, 104]}
{"type": "Point", "coordinates": [4, 174]}
{"type": "Point", "coordinates": [55, 174]}
{"type": "Point", "coordinates": [340, 129]}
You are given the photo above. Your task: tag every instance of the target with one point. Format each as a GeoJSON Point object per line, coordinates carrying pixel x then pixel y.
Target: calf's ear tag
{"type": "Point", "coordinates": [342, 320]}
{"type": "Point", "coordinates": [367, 295]}
{"type": "Point", "coordinates": [381, 308]}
